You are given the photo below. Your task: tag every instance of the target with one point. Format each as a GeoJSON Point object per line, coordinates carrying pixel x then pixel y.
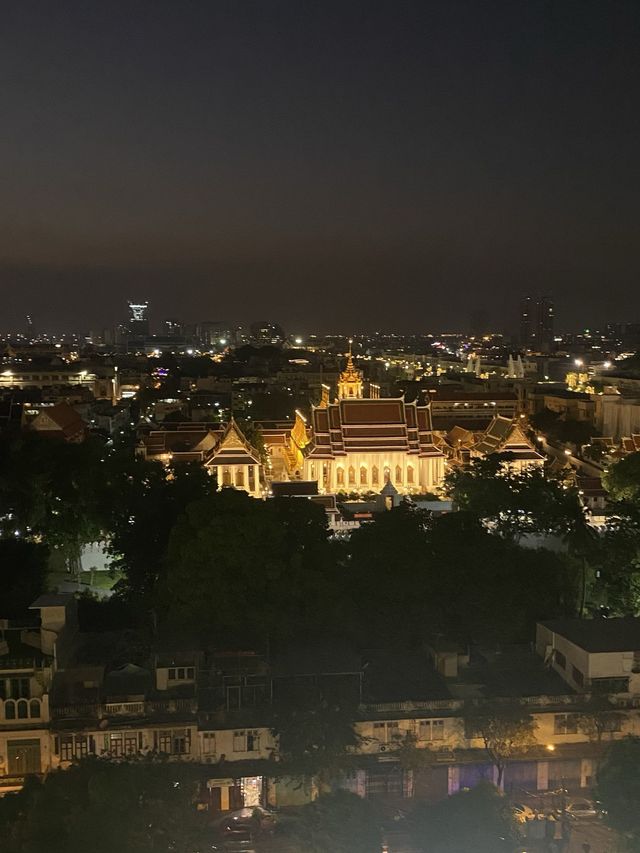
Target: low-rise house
{"type": "Point", "coordinates": [600, 655]}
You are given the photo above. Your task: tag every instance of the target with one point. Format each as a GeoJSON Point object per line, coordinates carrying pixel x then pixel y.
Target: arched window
{"type": "Point", "coordinates": [374, 475]}
{"type": "Point", "coordinates": [352, 475]}
{"type": "Point", "coordinates": [410, 475]}
{"type": "Point", "coordinates": [398, 474]}
{"type": "Point", "coordinates": [363, 475]}
{"type": "Point", "coordinates": [313, 470]}
{"type": "Point", "coordinates": [340, 476]}
{"type": "Point", "coordinates": [34, 709]}
{"type": "Point", "coordinates": [9, 710]}
{"type": "Point", "coordinates": [23, 709]}
{"type": "Point", "coordinates": [387, 473]}
{"type": "Point", "coordinates": [226, 476]}
{"type": "Point", "coordinates": [240, 478]}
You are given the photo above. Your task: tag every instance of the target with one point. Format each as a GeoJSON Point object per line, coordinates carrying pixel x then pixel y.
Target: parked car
{"type": "Point", "coordinates": [582, 808]}
{"type": "Point", "coordinates": [251, 818]}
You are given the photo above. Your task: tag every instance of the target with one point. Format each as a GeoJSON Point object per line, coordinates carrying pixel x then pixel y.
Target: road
{"type": "Point", "coordinates": [595, 833]}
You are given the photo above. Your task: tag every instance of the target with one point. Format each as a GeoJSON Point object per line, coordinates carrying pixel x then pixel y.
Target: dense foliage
{"type": "Point", "coordinates": [479, 820]}
{"type": "Point", "coordinates": [340, 822]}
{"type": "Point", "coordinates": [104, 806]}
{"type": "Point", "coordinates": [619, 789]}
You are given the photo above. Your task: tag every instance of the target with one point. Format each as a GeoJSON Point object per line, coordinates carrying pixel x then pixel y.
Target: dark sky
{"type": "Point", "coordinates": [349, 165]}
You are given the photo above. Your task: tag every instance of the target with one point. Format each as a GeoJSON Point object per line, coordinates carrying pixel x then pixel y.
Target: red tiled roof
{"type": "Point", "coordinates": [372, 425]}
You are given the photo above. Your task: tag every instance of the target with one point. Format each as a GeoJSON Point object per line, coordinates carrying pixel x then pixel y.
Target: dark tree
{"type": "Point", "coordinates": [103, 807]}
{"type": "Point", "coordinates": [506, 732]}
{"type": "Point", "coordinates": [340, 822]}
{"type": "Point", "coordinates": [250, 569]}
{"type": "Point", "coordinates": [479, 820]}
{"type": "Point", "coordinates": [622, 479]}
{"type": "Point", "coordinates": [23, 575]}
{"type": "Point", "coordinates": [618, 787]}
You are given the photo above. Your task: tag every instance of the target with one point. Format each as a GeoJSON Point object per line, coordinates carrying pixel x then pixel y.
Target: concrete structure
{"type": "Point", "coordinates": [593, 654]}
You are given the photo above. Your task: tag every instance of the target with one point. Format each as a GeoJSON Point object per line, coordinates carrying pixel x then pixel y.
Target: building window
{"type": "Point", "coordinates": [115, 745]}
{"type": "Point", "coordinates": [374, 476]}
{"type": "Point", "coordinates": [386, 732]}
{"type": "Point", "coordinates": [66, 748]}
{"type": "Point", "coordinates": [560, 659]}
{"type": "Point", "coordinates": [163, 740]}
{"type": "Point", "coordinates": [577, 676]}
{"type": "Point", "coordinates": [565, 724]}
{"type": "Point", "coordinates": [398, 474]}
{"type": "Point", "coordinates": [34, 709]}
{"type": "Point", "coordinates": [340, 476]}
{"type": "Point", "coordinates": [14, 688]}
{"type": "Point", "coordinates": [610, 685]}
{"type": "Point", "coordinates": [226, 476]}
{"type": "Point", "coordinates": [240, 478]}
{"type": "Point", "coordinates": [387, 474]}
{"type": "Point", "coordinates": [208, 743]}
{"type": "Point", "coordinates": [181, 741]}
{"type": "Point", "coordinates": [410, 475]}
{"type": "Point", "coordinates": [431, 730]}
{"type": "Point", "coordinates": [172, 675]}
{"type": "Point", "coordinates": [81, 746]}
{"type": "Point", "coordinates": [246, 741]}
{"type": "Point", "coordinates": [352, 475]}
{"type": "Point", "coordinates": [252, 478]}
{"type": "Point", "coordinates": [23, 709]}
{"type": "Point", "coordinates": [363, 475]}
{"type": "Point", "coordinates": [130, 744]}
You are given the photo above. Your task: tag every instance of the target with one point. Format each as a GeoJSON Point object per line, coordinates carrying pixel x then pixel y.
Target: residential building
{"type": "Point", "coordinates": [599, 655]}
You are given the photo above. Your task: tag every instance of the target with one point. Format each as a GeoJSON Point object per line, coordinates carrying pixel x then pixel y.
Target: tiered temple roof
{"type": "Point", "coordinates": [372, 425]}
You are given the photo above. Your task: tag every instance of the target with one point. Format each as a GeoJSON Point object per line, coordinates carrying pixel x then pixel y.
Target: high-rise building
{"type": "Point", "coordinates": [536, 323]}
{"type": "Point", "coordinates": [138, 320]}
{"type": "Point", "coordinates": [264, 332]}
{"type": "Point", "coordinates": [172, 327]}
{"type": "Point", "coordinates": [525, 321]}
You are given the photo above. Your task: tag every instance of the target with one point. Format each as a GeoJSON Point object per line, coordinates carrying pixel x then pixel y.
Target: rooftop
{"type": "Point", "coordinates": [599, 635]}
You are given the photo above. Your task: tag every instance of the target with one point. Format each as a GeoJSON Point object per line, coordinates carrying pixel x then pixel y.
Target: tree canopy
{"type": "Point", "coordinates": [105, 806]}
{"type": "Point", "coordinates": [622, 478]}
{"type": "Point", "coordinates": [259, 567]}
{"type": "Point", "coordinates": [505, 730]}
{"type": "Point", "coordinates": [618, 786]}
{"type": "Point", "coordinates": [479, 820]}
{"type": "Point", "coordinates": [339, 822]}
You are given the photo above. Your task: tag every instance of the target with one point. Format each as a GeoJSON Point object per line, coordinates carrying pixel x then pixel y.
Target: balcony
{"type": "Point", "coordinates": [149, 709]}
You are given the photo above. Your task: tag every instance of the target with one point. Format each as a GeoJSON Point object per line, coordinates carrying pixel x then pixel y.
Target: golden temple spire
{"type": "Point", "coordinates": [350, 382]}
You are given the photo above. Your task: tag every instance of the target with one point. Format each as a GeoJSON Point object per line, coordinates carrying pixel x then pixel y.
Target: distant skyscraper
{"type": "Point", "coordinates": [30, 329]}
{"type": "Point", "coordinates": [172, 327]}
{"type": "Point", "coordinates": [536, 322]}
{"type": "Point", "coordinates": [264, 332]}
{"type": "Point", "coordinates": [138, 320]}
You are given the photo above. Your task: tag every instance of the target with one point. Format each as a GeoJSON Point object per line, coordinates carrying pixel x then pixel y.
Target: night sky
{"type": "Point", "coordinates": [334, 166]}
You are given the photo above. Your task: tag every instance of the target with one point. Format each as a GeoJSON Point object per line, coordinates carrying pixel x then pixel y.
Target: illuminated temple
{"type": "Point", "coordinates": [360, 443]}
